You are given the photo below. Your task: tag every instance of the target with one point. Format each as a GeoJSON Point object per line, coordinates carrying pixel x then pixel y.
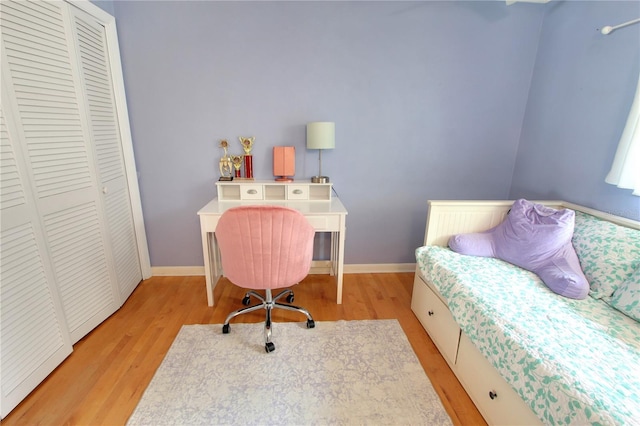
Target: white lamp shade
{"type": "Point", "coordinates": [321, 135]}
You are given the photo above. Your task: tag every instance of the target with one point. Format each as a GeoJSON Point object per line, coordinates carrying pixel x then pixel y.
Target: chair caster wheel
{"type": "Point", "coordinates": [246, 300]}
{"type": "Point", "coordinates": [269, 347]}
{"type": "Point", "coordinates": [290, 298]}
{"type": "Point", "coordinates": [311, 323]}
{"type": "Point", "coordinates": [225, 329]}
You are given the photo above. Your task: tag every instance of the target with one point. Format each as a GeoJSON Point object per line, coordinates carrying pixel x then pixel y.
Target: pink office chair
{"type": "Point", "coordinates": [263, 248]}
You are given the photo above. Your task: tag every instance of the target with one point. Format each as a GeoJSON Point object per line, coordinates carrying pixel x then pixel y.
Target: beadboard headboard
{"type": "Point", "coordinates": [446, 218]}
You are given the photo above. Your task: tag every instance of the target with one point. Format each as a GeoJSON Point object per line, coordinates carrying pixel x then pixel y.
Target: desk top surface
{"type": "Point", "coordinates": [334, 206]}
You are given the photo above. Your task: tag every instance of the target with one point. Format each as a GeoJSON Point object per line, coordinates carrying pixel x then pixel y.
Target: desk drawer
{"type": "Point", "coordinates": [324, 223]}
{"type": "Point", "coordinates": [297, 192]}
{"type": "Point", "coordinates": [251, 192]}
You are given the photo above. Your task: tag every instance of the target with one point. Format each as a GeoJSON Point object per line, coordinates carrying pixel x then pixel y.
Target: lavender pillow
{"type": "Point", "coordinates": [536, 238]}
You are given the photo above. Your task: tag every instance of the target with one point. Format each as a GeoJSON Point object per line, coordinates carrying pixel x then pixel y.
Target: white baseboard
{"type": "Point", "coordinates": [177, 271]}
{"type": "Point", "coordinates": [379, 268]}
{"type": "Point", "coordinates": [317, 267]}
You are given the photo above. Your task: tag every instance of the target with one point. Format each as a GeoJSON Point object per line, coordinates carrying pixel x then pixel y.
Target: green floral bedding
{"type": "Point", "coordinates": [572, 361]}
{"type": "Point", "coordinates": [609, 253]}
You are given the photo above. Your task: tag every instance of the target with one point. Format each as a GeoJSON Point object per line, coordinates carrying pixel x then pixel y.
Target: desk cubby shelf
{"type": "Point", "coordinates": [237, 190]}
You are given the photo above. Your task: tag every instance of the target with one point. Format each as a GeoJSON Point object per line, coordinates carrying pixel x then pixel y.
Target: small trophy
{"type": "Point", "coordinates": [236, 160]}
{"type": "Point", "coordinates": [225, 163]}
{"type": "Point", "coordinates": [247, 144]}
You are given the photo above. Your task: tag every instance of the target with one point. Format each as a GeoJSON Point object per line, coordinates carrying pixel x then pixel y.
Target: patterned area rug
{"type": "Point", "coordinates": [345, 372]}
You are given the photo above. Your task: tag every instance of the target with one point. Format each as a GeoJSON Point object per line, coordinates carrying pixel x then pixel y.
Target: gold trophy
{"type": "Point", "coordinates": [236, 160]}
{"type": "Point", "coordinates": [247, 144]}
{"type": "Point", "coordinates": [225, 163]}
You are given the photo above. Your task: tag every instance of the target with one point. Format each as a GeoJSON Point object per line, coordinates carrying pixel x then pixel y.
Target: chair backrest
{"type": "Point", "coordinates": [264, 247]}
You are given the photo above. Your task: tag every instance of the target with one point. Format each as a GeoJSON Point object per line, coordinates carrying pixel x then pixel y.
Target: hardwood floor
{"type": "Point", "coordinates": [101, 382]}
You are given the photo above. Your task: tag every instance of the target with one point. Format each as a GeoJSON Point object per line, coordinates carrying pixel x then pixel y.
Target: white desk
{"type": "Point", "coordinates": [325, 216]}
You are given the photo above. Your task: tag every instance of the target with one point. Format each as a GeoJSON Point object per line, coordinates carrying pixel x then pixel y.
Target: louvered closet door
{"type": "Point", "coordinates": [91, 47]}
{"type": "Point", "coordinates": [58, 152]}
{"type": "Point", "coordinates": [32, 325]}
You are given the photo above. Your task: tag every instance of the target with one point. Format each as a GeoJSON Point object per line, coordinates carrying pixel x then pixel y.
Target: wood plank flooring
{"type": "Point", "coordinates": [101, 382]}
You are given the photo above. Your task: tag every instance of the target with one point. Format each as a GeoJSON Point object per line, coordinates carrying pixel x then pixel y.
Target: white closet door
{"type": "Point", "coordinates": [32, 324]}
{"type": "Point", "coordinates": [91, 47]}
{"type": "Point", "coordinates": [73, 246]}
{"type": "Point", "coordinates": [59, 156]}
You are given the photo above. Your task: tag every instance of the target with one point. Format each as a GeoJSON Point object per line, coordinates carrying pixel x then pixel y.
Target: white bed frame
{"type": "Point", "coordinates": [496, 400]}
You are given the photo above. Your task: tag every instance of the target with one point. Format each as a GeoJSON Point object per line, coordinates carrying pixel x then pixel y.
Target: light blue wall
{"type": "Point", "coordinates": [106, 5]}
{"type": "Point", "coordinates": [428, 100]}
{"type": "Point", "coordinates": [580, 97]}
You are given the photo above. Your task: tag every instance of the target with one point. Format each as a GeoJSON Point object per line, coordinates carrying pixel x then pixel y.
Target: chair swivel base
{"type": "Point", "coordinates": [268, 303]}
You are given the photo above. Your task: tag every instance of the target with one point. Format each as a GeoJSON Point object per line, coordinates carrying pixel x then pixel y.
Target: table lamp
{"type": "Point", "coordinates": [321, 135]}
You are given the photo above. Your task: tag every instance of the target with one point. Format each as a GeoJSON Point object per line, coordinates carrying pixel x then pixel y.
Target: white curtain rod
{"type": "Point", "coordinates": [608, 29]}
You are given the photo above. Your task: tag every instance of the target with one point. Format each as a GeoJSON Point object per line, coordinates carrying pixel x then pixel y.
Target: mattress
{"type": "Point", "coordinates": [572, 361]}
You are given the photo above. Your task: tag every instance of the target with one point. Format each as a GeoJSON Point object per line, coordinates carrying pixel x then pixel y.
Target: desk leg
{"type": "Point", "coordinates": [211, 270]}
{"type": "Point", "coordinates": [340, 260]}
{"type": "Point", "coordinates": [334, 253]}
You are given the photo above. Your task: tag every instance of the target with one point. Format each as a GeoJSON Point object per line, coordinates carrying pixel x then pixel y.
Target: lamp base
{"type": "Point", "coordinates": [320, 179]}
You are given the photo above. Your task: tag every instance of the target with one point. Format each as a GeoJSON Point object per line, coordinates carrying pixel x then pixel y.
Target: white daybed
{"type": "Point", "coordinates": [524, 354]}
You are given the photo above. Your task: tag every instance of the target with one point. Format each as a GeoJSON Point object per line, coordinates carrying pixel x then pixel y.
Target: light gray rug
{"type": "Point", "coordinates": [345, 372]}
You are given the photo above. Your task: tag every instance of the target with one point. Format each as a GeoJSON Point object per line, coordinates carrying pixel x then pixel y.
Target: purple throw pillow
{"type": "Point", "coordinates": [536, 238]}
